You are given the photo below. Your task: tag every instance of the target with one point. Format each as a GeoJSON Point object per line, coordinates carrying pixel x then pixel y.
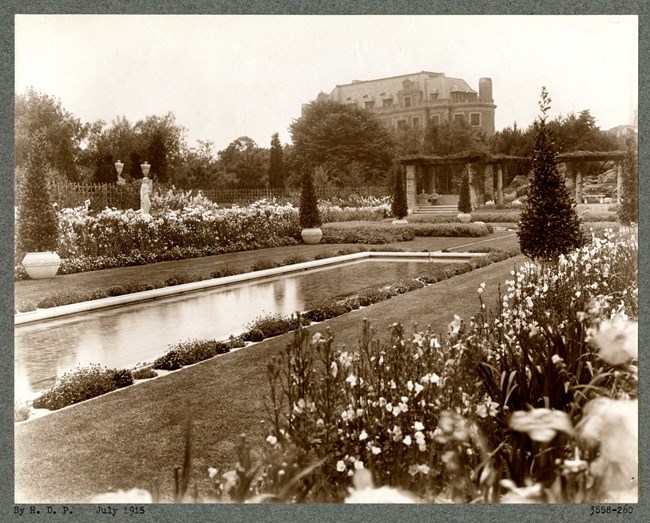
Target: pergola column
{"type": "Point", "coordinates": [499, 184]}
{"type": "Point", "coordinates": [411, 188]}
{"type": "Point", "coordinates": [489, 182]}
{"type": "Point", "coordinates": [619, 181]}
{"type": "Point", "coordinates": [578, 183]}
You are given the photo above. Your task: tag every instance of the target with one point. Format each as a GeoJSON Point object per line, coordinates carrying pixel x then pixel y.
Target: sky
{"type": "Point", "coordinates": [226, 76]}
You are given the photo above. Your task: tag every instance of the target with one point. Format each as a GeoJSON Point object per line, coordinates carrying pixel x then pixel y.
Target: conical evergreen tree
{"type": "Point", "coordinates": [465, 196]}
{"type": "Point", "coordinates": [549, 225]}
{"type": "Point", "coordinates": [399, 205]}
{"type": "Point", "coordinates": [309, 215]}
{"type": "Point", "coordinates": [276, 163]}
{"type": "Point", "coordinates": [628, 210]}
{"type": "Point", "coordinates": [37, 225]}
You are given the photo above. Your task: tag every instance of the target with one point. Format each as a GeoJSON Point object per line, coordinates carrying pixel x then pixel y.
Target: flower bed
{"type": "Point", "coordinates": [362, 232]}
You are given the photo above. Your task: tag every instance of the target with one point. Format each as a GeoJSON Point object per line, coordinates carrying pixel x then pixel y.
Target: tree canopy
{"type": "Point", "coordinates": [342, 139]}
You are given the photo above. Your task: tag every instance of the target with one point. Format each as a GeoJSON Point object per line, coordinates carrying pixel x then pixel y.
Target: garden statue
{"type": "Point", "coordinates": [145, 194]}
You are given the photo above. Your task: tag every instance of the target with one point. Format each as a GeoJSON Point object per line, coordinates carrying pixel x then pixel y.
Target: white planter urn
{"type": "Point", "coordinates": [40, 265]}
{"type": "Point", "coordinates": [464, 217]}
{"type": "Point", "coordinates": [311, 235]}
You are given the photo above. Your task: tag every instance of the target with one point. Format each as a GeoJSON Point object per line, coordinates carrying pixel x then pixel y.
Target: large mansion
{"type": "Point", "coordinates": [408, 101]}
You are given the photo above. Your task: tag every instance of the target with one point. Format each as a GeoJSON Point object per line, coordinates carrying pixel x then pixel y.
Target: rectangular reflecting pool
{"type": "Point", "coordinates": [122, 337]}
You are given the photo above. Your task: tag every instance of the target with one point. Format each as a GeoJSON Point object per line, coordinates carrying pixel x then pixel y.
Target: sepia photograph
{"type": "Point", "coordinates": [325, 259]}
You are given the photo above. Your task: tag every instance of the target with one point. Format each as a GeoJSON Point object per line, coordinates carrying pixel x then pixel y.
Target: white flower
{"type": "Point", "coordinates": [212, 472]}
{"type": "Point", "coordinates": [375, 450]}
{"type": "Point", "coordinates": [340, 465]}
{"type": "Point", "coordinates": [541, 424]}
{"type": "Point", "coordinates": [407, 440]}
{"type": "Point", "coordinates": [618, 340]}
{"type": "Point", "coordinates": [358, 464]}
{"type": "Point", "coordinates": [418, 426]}
{"type": "Point", "coordinates": [272, 440]}
{"type": "Point", "coordinates": [363, 435]}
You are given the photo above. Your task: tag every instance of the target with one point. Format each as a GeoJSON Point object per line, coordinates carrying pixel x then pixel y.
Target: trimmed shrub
{"type": "Point", "coordinates": [144, 373]}
{"type": "Point", "coordinates": [472, 230]}
{"type": "Point", "coordinates": [116, 290]}
{"type": "Point", "coordinates": [366, 233]}
{"type": "Point", "coordinates": [296, 258]}
{"type": "Point", "coordinates": [260, 265]}
{"type": "Point", "coordinates": [399, 205]}
{"type": "Point", "coordinates": [309, 215]}
{"type": "Point", "coordinates": [122, 378]}
{"type": "Point", "coordinates": [549, 225]}
{"type": "Point", "coordinates": [465, 197]}
{"type": "Point", "coordinates": [369, 296]}
{"type": "Point", "coordinates": [74, 387]}
{"type": "Point", "coordinates": [270, 326]}
{"type": "Point", "coordinates": [222, 272]}
{"type": "Point", "coordinates": [171, 360]}
{"type": "Point", "coordinates": [326, 309]}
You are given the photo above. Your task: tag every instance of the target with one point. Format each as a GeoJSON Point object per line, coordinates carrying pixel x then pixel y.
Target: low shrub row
{"type": "Point", "coordinates": [470, 230]}
{"type": "Point", "coordinates": [69, 297]}
{"type": "Point", "coordinates": [375, 233]}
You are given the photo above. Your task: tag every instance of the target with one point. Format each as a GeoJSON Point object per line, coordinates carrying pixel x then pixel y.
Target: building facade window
{"type": "Point", "coordinates": [370, 105]}
{"type": "Point", "coordinates": [435, 119]}
{"type": "Point", "coordinates": [407, 101]}
{"type": "Point", "coordinates": [475, 119]}
{"type": "Point", "coordinates": [416, 122]}
{"type": "Point", "coordinates": [401, 125]}
{"type": "Point", "coordinates": [388, 102]}
{"type": "Point", "coordinates": [459, 117]}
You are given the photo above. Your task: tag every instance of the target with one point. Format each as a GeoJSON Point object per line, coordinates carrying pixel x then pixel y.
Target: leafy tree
{"type": "Point", "coordinates": [309, 214]}
{"type": "Point", "coordinates": [62, 132]}
{"type": "Point", "coordinates": [244, 163]}
{"type": "Point", "coordinates": [455, 137]}
{"type": "Point", "coordinates": [156, 135]}
{"type": "Point", "coordinates": [36, 224]}
{"type": "Point", "coordinates": [465, 197]}
{"type": "Point", "coordinates": [549, 225]}
{"type": "Point", "coordinates": [133, 168]}
{"type": "Point", "coordinates": [628, 210]}
{"type": "Point", "coordinates": [276, 163]}
{"type": "Point", "coordinates": [399, 205]}
{"type": "Point", "coordinates": [334, 135]}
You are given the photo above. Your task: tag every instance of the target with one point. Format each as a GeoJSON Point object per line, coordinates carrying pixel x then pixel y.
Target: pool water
{"type": "Point", "coordinates": [122, 337]}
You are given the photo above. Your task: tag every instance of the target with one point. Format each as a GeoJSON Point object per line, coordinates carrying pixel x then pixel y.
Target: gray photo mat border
{"type": "Point", "coordinates": [233, 512]}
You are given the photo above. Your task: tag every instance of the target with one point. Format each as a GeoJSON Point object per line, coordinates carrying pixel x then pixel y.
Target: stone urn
{"type": "Point", "coordinates": [41, 265]}
{"type": "Point", "coordinates": [311, 235]}
{"type": "Point", "coordinates": [464, 217]}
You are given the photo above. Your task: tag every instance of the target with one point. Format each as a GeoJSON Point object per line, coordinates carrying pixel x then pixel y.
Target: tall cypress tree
{"type": "Point", "coordinates": [276, 163]}
{"type": "Point", "coordinates": [628, 209]}
{"type": "Point", "coordinates": [37, 225]}
{"type": "Point", "coordinates": [309, 215]}
{"type": "Point", "coordinates": [549, 225]}
{"type": "Point", "coordinates": [399, 205]}
{"type": "Point", "coordinates": [465, 196]}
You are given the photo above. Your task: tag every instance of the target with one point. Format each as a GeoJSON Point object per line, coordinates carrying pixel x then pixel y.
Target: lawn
{"type": "Point", "coordinates": [134, 437]}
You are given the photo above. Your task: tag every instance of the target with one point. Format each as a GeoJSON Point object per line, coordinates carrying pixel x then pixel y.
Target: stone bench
{"type": "Point", "coordinates": [600, 198]}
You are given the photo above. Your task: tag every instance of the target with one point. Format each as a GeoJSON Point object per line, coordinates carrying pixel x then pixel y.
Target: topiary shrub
{"type": "Point", "coordinates": [37, 226]}
{"type": "Point", "coordinates": [399, 204]}
{"type": "Point", "coordinates": [309, 214]}
{"type": "Point", "coordinates": [549, 224]}
{"type": "Point", "coordinates": [465, 196]}
{"type": "Point", "coordinates": [263, 264]}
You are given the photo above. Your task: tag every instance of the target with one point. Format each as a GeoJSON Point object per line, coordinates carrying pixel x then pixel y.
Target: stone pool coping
{"type": "Point", "coordinates": [23, 318]}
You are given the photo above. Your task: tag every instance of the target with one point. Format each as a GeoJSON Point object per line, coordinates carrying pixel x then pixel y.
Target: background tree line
{"type": "Point", "coordinates": [341, 145]}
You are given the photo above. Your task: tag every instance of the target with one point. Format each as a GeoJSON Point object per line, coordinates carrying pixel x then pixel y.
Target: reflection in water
{"type": "Point", "coordinates": [123, 336]}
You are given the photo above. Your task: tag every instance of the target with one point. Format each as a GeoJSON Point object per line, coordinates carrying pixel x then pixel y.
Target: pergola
{"type": "Point", "coordinates": [424, 168]}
